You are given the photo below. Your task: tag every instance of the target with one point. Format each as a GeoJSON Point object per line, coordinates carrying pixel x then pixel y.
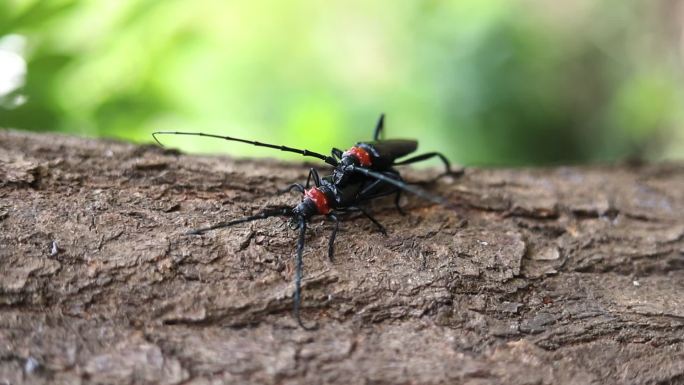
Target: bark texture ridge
{"type": "Point", "coordinates": [569, 275]}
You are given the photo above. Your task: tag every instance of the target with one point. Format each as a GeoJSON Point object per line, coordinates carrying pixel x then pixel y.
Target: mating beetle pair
{"type": "Point", "coordinates": [361, 174]}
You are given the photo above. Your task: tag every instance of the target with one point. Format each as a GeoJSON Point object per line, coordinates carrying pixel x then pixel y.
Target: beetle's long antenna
{"type": "Point", "coordinates": [298, 275]}
{"type": "Point", "coordinates": [404, 186]}
{"type": "Point", "coordinates": [327, 159]}
{"type": "Point", "coordinates": [275, 212]}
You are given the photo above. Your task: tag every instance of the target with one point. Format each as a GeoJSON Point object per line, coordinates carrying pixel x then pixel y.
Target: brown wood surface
{"type": "Point", "coordinates": [568, 275]}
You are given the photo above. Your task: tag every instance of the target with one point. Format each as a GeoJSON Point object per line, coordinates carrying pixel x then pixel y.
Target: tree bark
{"type": "Point", "coordinates": [569, 275]}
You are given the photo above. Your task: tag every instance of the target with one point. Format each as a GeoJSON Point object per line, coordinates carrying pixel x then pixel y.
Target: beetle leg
{"type": "Point", "coordinates": [331, 242]}
{"type": "Point", "coordinates": [422, 157]}
{"type": "Point", "coordinates": [294, 186]}
{"type": "Point", "coordinates": [379, 127]}
{"type": "Point", "coordinates": [313, 174]}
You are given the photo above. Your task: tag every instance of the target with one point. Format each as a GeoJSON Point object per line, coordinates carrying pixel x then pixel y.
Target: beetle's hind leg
{"type": "Point", "coordinates": [429, 155]}
{"type": "Point", "coordinates": [366, 214]}
{"type": "Point", "coordinates": [333, 235]}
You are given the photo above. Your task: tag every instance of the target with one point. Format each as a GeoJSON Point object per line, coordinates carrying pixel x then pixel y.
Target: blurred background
{"type": "Point", "coordinates": [500, 82]}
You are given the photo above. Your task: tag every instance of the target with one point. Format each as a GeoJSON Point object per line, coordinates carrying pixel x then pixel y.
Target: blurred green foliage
{"type": "Point", "coordinates": [486, 82]}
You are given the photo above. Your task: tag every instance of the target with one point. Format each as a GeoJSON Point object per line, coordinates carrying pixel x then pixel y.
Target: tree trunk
{"type": "Point", "coordinates": [570, 275]}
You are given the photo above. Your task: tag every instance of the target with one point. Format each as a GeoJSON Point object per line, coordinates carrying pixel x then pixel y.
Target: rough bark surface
{"type": "Point", "coordinates": [571, 275]}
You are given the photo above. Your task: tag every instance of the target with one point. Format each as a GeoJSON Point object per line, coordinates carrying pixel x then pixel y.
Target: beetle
{"type": "Point", "coordinates": [378, 155]}
{"type": "Point", "coordinates": [326, 198]}
{"type": "Point", "coordinates": [361, 174]}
